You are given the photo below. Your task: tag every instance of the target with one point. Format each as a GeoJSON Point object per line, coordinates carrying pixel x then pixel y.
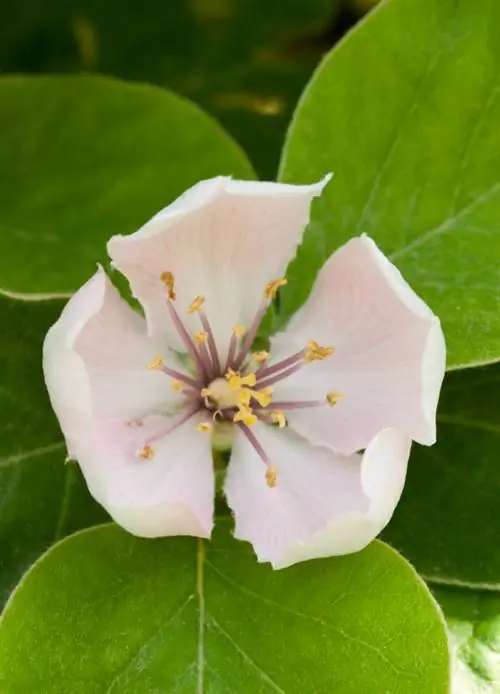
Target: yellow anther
{"type": "Point", "coordinates": [178, 386]}
{"type": "Point", "coordinates": [146, 453]}
{"type": "Point", "coordinates": [236, 381]}
{"type": "Point", "coordinates": [157, 363]}
{"type": "Point", "coordinates": [205, 427]}
{"type": "Point", "coordinates": [271, 476]}
{"type": "Point", "coordinates": [260, 356]}
{"type": "Point", "coordinates": [278, 417]}
{"type": "Point", "coordinates": [245, 415]}
{"type": "Point", "coordinates": [263, 396]}
{"type": "Point", "coordinates": [201, 337]}
{"type": "Point", "coordinates": [168, 280]}
{"type": "Point", "coordinates": [271, 288]}
{"type": "Point", "coordinates": [333, 397]}
{"type": "Point", "coordinates": [249, 380]}
{"type": "Point", "coordinates": [244, 396]}
{"type": "Point", "coordinates": [239, 330]}
{"type": "Point", "coordinates": [315, 352]}
{"type": "Point", "coordinates": [196, 304]}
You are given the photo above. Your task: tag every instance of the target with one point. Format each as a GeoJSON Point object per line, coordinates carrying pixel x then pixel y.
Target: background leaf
{"type": "Point", "coordinates": [447, 523]}
{"type": "Point", "coordinates": [100, 158]}
{"type": "Point", "coordinates": [474, 631]}
{"type": "Point", "coordinates": [408, 121]}
{"type": "Point", "coordinates": [41, 498]}
{"type": "Point", "coordinates": [245, 62]}
{"type": "Point", "coordinates": [130, 616]}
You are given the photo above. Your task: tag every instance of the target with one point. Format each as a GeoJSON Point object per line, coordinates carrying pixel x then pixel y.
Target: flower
{"type": "Point", "coordinates": [359, 368]}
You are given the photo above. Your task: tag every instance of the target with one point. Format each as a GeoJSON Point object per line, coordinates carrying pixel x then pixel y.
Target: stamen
{"type": "Point", "coordinates": [239, 330]}
{"type": "Point", "coordinates": [187, 340]}
{"type": "Point", "coordinates": [260, 356]}
{"type": "Point", "coordinates": [278, 418]}
{"type": "Point", "coordinates": [168, 280]}
{"type": "Point", "coordinates": [271, 472]}
{"type": "Point", "coordinates": [271, 476]}
{"type": "Point", "coordinates": [270, 291]}
{"type": "Point", "coordinates": [263, 397]}
{"type": "Point", "coordinates": [172, 423]}
{"type": "Point", "coordinates": [251, 334]}
{"type": "Point", "coordinates": [146, 453]}
{"type": "Point", "coordinates": [159, 365]}
{"type": "Point", "coordinates": [205, 427]}
{"type": "Point", "coordinates": [196, 304]}
{"type": "Point", "coordinates": [333, 397]}
{"type": "Point", "coordinates": [233, 345]}
{"type": "Point", "coordinates": [201, 337]}
{"type": "Point", "coordinates": [178, 386]}
{"type": "Point", "coordinates": [279, 366]}
{"type": "Point", "coordinates": [245, 396]}
{"type": "Point", "coordinates": [298, 404]}
{"type": "Point", "coordinates": [236, 381]}
{"type": "Point", "coordinates": [156, 364]}
{"type": "Point", "coordinates": [212, 347]}
{"type": "Point", "coordinates": [271, 288]}
{"type": "Point", "coordinates": [245, 415]}
{"type": "Point", "coordinates": [316, 352]}
{"type": "Point", "coordinates": [269, 380]}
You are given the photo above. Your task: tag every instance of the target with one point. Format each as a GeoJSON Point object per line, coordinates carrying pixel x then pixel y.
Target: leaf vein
{"type": "Point", "coordinates": [130, 664]}
{"type": "Point", "coordinates": [247, 658]}
{"type": "Point", "coordinates": [311, 618]}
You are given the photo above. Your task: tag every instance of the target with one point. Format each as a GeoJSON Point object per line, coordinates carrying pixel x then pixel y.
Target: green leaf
{"type": "Point", "coordinates": [245, 62]}
{"type": "Point", "coordinates": [100, 158]}
{"type": "Point", "coordinates": [474, 632]}
{"type": "Point", "coordinates": [104, 611]}
{"type": "Point", "coordinates": [447, 522]}
{"type": "Point", "coordinates": [408, 121]}
{"type": "Point", "coordinates": [41, 498]}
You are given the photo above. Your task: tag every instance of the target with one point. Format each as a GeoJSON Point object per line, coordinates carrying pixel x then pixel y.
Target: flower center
{"type": "Point", "coordinates": [220, 395]}
{"type": "Point", "coordinates": [233, 392]}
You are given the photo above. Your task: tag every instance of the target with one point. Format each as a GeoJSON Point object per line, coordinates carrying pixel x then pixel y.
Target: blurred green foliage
{"type": "Point", "coordinates": [244, 61]}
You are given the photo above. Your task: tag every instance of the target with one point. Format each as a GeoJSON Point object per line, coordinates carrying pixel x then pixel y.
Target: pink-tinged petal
{"type": "Point", "coordinates": [64, 371]}
{"type": "Point", "coordinates": [115, 349]}
{"type": "Point", "coordinates": [323, 503]}
{"type": "Point", "coordinates": [95, 360]}
{"type": "Point", "coordinates": [382, 472]}
{"type": "Point", "coordinates": [389, 358]}
{"type": "Point", "coordinates": [223, 240]}
{"type": "Point", "coordinates": [171, 494]}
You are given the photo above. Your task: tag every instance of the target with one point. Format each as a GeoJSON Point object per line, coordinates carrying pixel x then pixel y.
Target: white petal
{"type": "Point", "coordinates": [323, 503]}
{"type": "Point", "coordinates": [389, 357]}
{"type": "Point", "coordinates": [95, 360]}
{"type": "Point", "coordinates": [65, 374]}
{"type": "Point", "coordinates": [172, 494]}
{"type": "Point", "coordinates": [222, 239]}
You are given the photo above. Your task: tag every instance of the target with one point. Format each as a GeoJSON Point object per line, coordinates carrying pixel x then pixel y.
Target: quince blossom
{"type": "Point", "coordinates": [139, 400]}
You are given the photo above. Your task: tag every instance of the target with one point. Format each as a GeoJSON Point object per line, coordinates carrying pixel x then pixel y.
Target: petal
{"type": "Point", "coordinates": [389, 357]}
{"type": "Point", "coordinates": [222, 239]}
{"type": "Point", "coordinates": [172, 494]}
{"type": "Point", "coordinates": [323, 503]}
{"type": "Point", "coordinates": [95, 360]}
{"type": "Point", "coordinates": [65, 374]}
